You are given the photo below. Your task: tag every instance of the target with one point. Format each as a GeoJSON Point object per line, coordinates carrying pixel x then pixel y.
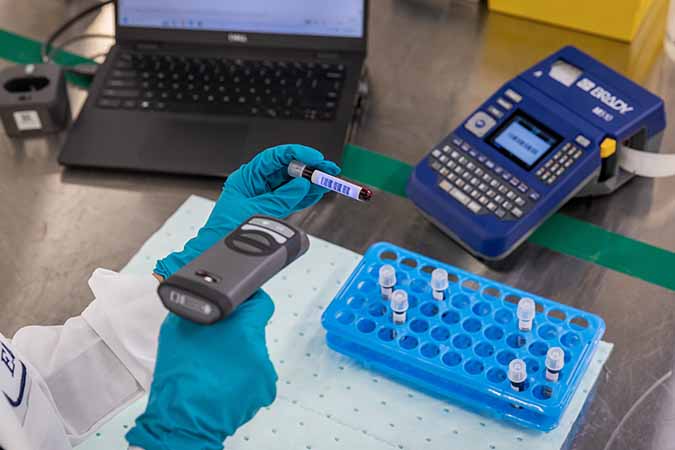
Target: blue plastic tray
{"type": "Point", "coordinates": [459, 349]}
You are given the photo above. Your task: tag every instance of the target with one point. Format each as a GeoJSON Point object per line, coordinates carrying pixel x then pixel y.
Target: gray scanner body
{"type": "Point", "coordinates": [212, 286]}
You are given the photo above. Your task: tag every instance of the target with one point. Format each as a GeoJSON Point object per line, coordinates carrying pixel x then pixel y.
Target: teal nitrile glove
{"type": "Point", "coordinates": [261, 186]}
{"type": "Point", "coordinates": [209, 380]}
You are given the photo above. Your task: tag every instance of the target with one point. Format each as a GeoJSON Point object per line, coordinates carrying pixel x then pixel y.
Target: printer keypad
{"type": "Point", "coordinates": [479, 184]}
{"type": "Point", "coordinates": [556, 166]}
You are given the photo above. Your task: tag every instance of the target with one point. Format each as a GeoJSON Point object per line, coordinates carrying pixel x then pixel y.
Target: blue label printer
{"type": "Point", "coordinates": [549, 134]}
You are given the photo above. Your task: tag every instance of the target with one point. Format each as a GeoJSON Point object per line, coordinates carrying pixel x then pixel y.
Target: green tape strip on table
{"type": "Point", "coordinates": [23, 50]}
{"type": "Point", "coordinates": [589, 242]}
{"type": "Point", "coordinates": [560, 233]}
{"type": "Point", "coordinates": [375, 169]}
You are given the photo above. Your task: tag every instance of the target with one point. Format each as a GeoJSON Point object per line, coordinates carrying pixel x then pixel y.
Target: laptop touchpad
{"type": "Point", "coordinates": [197, 145]}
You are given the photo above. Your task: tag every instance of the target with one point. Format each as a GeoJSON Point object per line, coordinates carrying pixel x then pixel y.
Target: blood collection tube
{"type": "Point", "coordinates": [517, 374]}
{"type": "Point", "coordinates": [399, 305]}
{"type": "Point", "coordinates": [387, 280]}
{"type": "Point", "coordinates": [439, 283]}
{"type": "Point", "coordinates": [297, 169]}
{"type": "Point", "coordinates": [555, 360]}
{"type": "Point", "coordinates": [525, 313]}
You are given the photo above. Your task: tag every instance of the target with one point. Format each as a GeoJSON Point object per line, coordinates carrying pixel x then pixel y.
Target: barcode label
{"type": "Point", "coordinates": [27, 120]}
{"type": "Point", "coordinates": [336, 184]}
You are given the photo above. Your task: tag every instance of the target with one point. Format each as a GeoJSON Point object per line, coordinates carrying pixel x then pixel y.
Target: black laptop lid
{"type": "Point", "coordinates": [339, 25]}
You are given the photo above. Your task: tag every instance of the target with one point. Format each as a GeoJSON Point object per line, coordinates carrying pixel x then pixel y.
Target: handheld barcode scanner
{"type": "Point", "coordinates": [212, 286]}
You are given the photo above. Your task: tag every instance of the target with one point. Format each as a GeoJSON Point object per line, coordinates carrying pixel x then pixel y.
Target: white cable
{"type": "Point", "coordinates": [647, 164]}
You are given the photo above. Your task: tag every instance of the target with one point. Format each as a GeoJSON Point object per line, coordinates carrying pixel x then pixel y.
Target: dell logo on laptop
{"type": "Point", "coordinates": [237, 37]}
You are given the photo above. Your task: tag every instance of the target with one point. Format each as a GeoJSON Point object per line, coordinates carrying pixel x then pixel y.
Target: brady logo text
{"type": "Point", "coordinates": [604, 96]}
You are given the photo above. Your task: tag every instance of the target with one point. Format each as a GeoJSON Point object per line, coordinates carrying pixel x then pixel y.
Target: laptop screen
{"type": "Point", "coordinates": [329, 18]}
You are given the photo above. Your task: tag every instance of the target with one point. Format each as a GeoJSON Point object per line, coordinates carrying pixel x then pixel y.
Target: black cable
{"type": "Point", "coordinates": [80, 37]}
{"type": "Point", "coordinates": [46, 49]}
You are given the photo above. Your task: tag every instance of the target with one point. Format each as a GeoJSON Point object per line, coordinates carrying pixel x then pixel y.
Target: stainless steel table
{"type": "Point", "coordinates": [431, 62]}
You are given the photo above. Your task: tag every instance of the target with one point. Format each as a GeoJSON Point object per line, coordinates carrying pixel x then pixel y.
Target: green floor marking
{"type": "Point", "coordinates": [374, 169]}
{"type": "Point", "coordinates": [589, 242]}
{"type": "Point", "coordinates": [23, 50]}
{"type": "Point", "coordinates": [560, 233]}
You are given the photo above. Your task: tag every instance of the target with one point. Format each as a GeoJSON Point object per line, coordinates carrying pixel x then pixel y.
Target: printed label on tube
{"type": "Point", "coordinates": [336, 184]}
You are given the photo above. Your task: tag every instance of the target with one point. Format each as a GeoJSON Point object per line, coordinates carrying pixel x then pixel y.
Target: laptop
{"type": "Point", "coordinates": [199, 87]}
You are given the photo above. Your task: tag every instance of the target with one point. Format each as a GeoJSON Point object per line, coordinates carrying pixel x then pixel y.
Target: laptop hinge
{"type": "Point", "coordinates": [149, 46]}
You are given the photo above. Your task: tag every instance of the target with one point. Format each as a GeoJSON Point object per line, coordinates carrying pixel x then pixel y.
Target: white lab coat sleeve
{"type": "Point", "coordinates": [98, 363]}
{"type": "Point", "coordinates": [28, 418]}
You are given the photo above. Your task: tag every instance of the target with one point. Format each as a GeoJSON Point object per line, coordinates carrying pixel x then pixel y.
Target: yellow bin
{"type": "Point", "coordinates": [618, 19]}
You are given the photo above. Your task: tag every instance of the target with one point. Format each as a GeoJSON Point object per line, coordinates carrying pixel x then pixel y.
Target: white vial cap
{"type": "Point", "coordinates": [387, 276]}
{"type": "Point", "coordinates": [439, 279]}
{"type": "Point", "coordinates": [555, 358]}
{"type": "Point", "coordinates": [295, 169]}
{"type": "Point", "coordinates": [517, 371]}
{"type": "Point", "coordinates": [526, 309]}
{"type": "Point", "coordinates": [399, 301]}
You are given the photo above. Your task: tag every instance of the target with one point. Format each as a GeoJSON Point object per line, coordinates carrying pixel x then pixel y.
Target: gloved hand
{"type": "Point", "coordinates": [209, 380]}
{"type": "Point", "coordinates": [261, 186]}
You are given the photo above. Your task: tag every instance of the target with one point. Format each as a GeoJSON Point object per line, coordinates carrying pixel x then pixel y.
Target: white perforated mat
{"type": "Point", "coordinates": [325, 401]}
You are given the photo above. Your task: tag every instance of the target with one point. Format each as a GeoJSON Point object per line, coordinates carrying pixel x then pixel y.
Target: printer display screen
{"type": "Point", "coordinates": [524, 140]}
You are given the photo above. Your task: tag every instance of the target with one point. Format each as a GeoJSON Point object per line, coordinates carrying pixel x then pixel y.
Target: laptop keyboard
{"type": "Point", "coordinates": [272, 89]}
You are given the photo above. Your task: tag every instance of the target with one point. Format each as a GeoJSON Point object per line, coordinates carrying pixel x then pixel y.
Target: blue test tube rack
{"type": "Point", "coordinates": [459, 348]}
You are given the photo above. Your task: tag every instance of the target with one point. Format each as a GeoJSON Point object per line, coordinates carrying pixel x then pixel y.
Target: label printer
{"type": "Point", "coordinates": [552, 133]}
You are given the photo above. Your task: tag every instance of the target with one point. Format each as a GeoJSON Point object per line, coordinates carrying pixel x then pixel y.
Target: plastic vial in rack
{"type": "Point", "coordinates": [439, 283]}
{"type": "Point", "coordinates": [555, 360]}
{"type": "Point", "coordinates": [517, 374]}
{"type": "Point", "coordinates": [387, 280]}
{"type": "Point", "coordinates": [399, 306]}
{"type": "Point", "coordinates": [525, 313]}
